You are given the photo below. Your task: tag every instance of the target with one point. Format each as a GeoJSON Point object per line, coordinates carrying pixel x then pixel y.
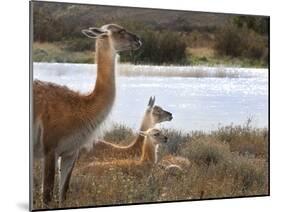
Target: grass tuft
{"type": "Point", "coordinates": [231, 161]}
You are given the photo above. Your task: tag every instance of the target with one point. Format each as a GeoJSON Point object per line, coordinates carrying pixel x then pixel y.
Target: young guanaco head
{"type": "Point", "coordinates": [120, 38]}
{"type": "Point", "coordinates": [158, 113]}
{"type": "Point", "coordinates": [154, 136]}
{"type": "Point", "coordinates": [154, 114]}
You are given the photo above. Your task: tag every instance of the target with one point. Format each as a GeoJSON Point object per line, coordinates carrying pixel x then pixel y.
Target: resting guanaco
{"type": "Point", "coordinates": [152, 138]}
{"type": "Point", "coordinates": [107, 151]}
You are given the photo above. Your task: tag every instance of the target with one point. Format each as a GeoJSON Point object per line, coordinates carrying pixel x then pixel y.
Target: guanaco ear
{"type": "Point", "coordinates": [93, 32]}
{"type": "Point", "coordinates": [142, 133]}
{"type": "Point", "coordinates": [88, 33]}
{"type": "Point", "coordinates": [151, 102]}
{"type": "Point", "coordinates": [97, 31]}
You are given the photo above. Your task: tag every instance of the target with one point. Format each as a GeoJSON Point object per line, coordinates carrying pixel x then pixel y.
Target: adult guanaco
{"type": "Point", "coordinates": [64, 120]}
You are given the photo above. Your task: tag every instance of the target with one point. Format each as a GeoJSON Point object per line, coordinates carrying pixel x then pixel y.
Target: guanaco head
{"type": "Point", "coordinates": [155, 114]}
{"type": "Point", "coordinates": [155, 136]}
{"type": "Point", "coordinates": [120, 38]}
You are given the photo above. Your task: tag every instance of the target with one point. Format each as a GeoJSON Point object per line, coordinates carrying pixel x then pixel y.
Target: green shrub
{"type": "Point", "coordinates": [159, 47]}
{"type": "Point", "coordinates": [215, 172]}
{"type": "Point", "coordinates": [119, 133]}
{"type": "Point", "coordinates": [244, 139]}
{"type": "Point", "coordinates": [249, 172]}
{"type": "Point", "coordinates": [175, 139]}
{"type": "Point", "coordinates": [258, 24]}
{"type": "Point", "coordinates": [206, 151]}
{"type": "Point", "coordinates": [236, 41]}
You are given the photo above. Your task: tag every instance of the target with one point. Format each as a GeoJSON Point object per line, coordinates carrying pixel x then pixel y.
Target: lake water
{"type": "Point", "coordinates": [200, 98]}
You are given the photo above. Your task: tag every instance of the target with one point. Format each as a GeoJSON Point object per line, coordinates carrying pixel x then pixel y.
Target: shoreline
{"type": "Point", "coordinates": [131, 70]}
{"type": "Point", "coordinates": [56, 53]}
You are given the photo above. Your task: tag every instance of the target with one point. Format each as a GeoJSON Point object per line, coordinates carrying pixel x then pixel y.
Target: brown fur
{"type": "Point", "coordinates": [63, 112]}
{"type": "Point", "coordinates": [133, 167]}
{"type": "Point", "coordinates": [107, 151]}
{"type": "Point", "coordinates": [68, 119]}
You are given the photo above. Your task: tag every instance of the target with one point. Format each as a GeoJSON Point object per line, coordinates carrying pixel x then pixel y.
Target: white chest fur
{"type": "Point", "coordinates": [85, 136]}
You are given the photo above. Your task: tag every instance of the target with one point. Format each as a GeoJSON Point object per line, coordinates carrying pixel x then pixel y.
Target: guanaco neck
{"type": "Point", "coordinates": [147, 121]}
{"type": "Point", "coordinates": [105, 59]}
{"type": "Point", "coordinates": [149, 152]}
{"type": "Point", "coordinates": [101, 100]}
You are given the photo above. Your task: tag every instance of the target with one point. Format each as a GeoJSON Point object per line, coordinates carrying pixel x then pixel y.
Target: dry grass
{"type": "Point", "coordinates": [56, 52]}
{"type": "Point", "coordinates": [176, 71]}
{"type": "Point", "coordinates": [244, 139]}
{"type": "Point", "coordinates": [202, 52]}
{"type": "Point", "coordinates": [231, 161]}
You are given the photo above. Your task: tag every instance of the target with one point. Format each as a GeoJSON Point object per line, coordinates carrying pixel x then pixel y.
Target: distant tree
{"type": "Point", "coordinates": [45, 26]}
{"type": "Point", "coordinates": [232, 40]}
{"type": "Point", "coordinates": [256, 23]}
{"type": "Point", "coordinates": [160, 47]}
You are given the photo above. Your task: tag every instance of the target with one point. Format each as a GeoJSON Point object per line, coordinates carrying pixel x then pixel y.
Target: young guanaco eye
{"type": "Point", "coordinates": [156, 112]}
{"type": "Point", "coordinates": [156, 134]}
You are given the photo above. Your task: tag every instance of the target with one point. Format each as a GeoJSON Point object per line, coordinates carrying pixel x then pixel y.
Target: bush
{"type": "Point", "coordinates": [175, 140]}
{"type": "Point", "coordinates": [258, 24]}
{"type": "Point", "coordinates": [159, 47]}
{"type": "Point", "coordinates": [249, 172]}
{"type": "Point", "coordinates": [241, 42]}
{"type": "Point", "coordinates": [215, 172]}
{"type": "Point", "coordinates": [119, 133]}
{"type": "Point", "coordinates": [244, 139]}
{"type": "Point", "coordinates": [206, 151]}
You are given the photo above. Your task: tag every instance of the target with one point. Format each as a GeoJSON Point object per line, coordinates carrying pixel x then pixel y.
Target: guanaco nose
{"type": "Point", "coordinates": [170, 115]}
{"type": "Point", "coordinates": [137, 40]}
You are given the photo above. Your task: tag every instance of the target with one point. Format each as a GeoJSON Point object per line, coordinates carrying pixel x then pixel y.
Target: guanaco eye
{"type": "Point", "coordinates": [156, 111]}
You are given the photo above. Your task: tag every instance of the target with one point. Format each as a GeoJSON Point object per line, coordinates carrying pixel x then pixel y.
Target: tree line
{"type": "Point", "coordinates": [240, 36]}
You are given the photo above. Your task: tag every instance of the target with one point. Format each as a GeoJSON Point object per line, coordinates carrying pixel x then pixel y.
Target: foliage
{"type": "Point", "coordinates": [244, 139]}
{"type": "Point", "coordinates": [167, 36]}
{"type": "Point", "coordinates": [53, 52]}
{"type": "Point", "coordinates": [241, 42]}
{"type": "Point", "coordinates": [255, 23]}
{"type": "Point", "coordinates": [217, 170]}
{"type": "Point", "coordinates": [79, 45]}
{"type": "Point", "coordinates": [160, 47]}
{"type": "Point", "coordinates": [119, 133]}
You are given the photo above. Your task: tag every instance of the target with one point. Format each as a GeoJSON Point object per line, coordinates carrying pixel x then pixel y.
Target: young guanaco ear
{"type": "Point", "coordinates": [151, 102]}
{"type": "Point", "coordinates": [142, 133]}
